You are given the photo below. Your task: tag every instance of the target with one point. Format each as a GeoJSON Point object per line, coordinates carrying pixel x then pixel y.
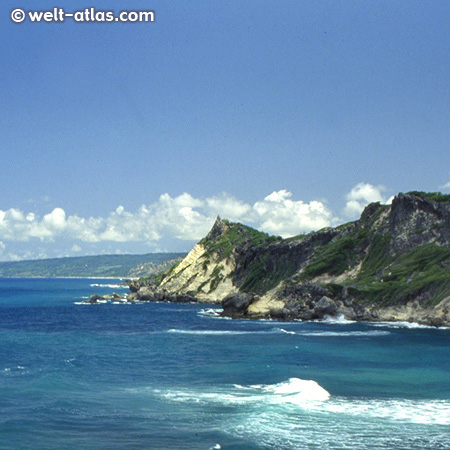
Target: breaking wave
{"type": "Point", "coordinates": [111, 286]}
{"type": "Point", "coordinates": [309, 395]}
{"type": "Point", "coordinates": [369, 333]}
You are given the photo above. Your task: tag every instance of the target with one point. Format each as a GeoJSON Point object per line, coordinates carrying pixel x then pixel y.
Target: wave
{"type": "Point", "coordinates": [213, 332]}
{"type": "Point", "coordinates": [411, 325]}
{"type": "Point", "coordinates": [370, 333]}
{"type": "Point", "coordinates": [311, 396]}
{"type": "Point", "coordinates": [210, 312]}
{"type": "Point", "coordinates": [346, 333]}
{"type": "Point", "coordinates": [429, 412]}
{"type": "Point", "coordinates": [111, 286]}
{"type": "Point", "coordinates": [296, 390]}
{"type": "Point", "coordinates": [293, 391]}
{"type": "Point", "coordinates": [336, 320]}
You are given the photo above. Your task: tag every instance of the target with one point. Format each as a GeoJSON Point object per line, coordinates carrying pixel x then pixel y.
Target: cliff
{"type": "Point", "coordinates": [391, 264]}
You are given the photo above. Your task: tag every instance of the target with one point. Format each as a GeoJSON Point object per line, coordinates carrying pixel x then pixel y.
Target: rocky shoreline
{"type": "Point", "coordinates": [392, 264]}
{"type": "Point", "coordinates": [241, 305]}
{"type": "Point", "coordinates": [316, 305]}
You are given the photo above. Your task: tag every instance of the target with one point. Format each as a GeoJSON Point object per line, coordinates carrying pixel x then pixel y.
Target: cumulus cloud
{"type": "Point", "coordinates": [183, 217]}
{"type": "Point", "coordinates": [360, 196]}
{"type": "Point", "coordinates": [279, 214]}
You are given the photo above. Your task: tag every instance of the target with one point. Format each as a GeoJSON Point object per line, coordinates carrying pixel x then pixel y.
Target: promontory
{"type": "Point", "coordinates": [392, 264]}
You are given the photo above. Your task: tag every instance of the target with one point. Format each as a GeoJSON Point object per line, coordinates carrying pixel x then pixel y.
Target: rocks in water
{"type": "Point", "coordinates": [325, 307]}
{"type": "Point", "coordinates": [114, 297]}
{"type": "Point", "coordinates": [94, 298]}
{"type": "Point", "coordinates": [236, 304]}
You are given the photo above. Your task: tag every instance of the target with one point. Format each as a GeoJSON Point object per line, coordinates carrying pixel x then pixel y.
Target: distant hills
{"type": "Point", "coordinates": [91, 266]}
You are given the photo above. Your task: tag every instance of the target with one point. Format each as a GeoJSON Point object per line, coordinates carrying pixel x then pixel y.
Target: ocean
{"type": "Point", "coordinates": [178, 376]}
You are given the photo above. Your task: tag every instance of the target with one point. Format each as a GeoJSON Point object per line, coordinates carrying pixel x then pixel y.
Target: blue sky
{"type": "Point", "coordinates": [288, 116]}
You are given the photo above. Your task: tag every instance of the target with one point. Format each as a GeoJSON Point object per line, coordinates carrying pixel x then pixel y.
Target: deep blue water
{"type": "Point", "coordinates": [170, 376]}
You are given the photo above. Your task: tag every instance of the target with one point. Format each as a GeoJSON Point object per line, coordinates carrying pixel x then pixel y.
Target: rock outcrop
{"type": "Point", "coordinates": [391, 264]}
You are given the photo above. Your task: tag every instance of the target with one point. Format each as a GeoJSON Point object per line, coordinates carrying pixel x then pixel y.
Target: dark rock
{"type": "Point", "coordinates": [146, 293]}
{"type": "Point", "coordinates": [236, 304]}
{"type": "Point", "coordinates": [132, 296]}
{"type": "Point", "coordinates": [218, 228]}
{"type": "Point", "coordinates": [325, 307]}
{"type": "Point", "coordinates": [94, 298]}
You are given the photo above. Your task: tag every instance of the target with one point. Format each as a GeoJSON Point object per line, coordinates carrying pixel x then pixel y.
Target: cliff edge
{"type": "Point", "coordinates": [391, 264]}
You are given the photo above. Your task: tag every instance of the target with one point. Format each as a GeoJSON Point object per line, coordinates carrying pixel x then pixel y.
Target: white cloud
{"type": "Point", "coordinates": [280, 215]}
{"type": "Point", "coordinates": [446, 186]}
{"type": "Point", "coordinates": [76, 248]}
{"type": "Point", "coordinates": [183, 217]}
{"type": "Point", "coordinates": [360, 196]}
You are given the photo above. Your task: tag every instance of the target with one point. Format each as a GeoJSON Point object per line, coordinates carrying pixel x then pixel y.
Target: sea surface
{"type": "Point", "coordinates": [177, 376]}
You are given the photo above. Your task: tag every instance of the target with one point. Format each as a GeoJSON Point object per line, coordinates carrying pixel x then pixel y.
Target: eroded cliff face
{"type": "Point", "coordinates": [391, 264]}
{"type": "Point", "coordinates": [202, 275]}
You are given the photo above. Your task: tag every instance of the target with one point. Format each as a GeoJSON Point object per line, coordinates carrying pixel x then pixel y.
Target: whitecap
{"type": "Point", "coordinates": [337, 320]}
{"type": "Point", "coordinates": [111, 286]}
{"type": "Point", "coordinates": [210, 312]}
{"type": "Point", "coordinates": [227, 332]}
{"type": "Point", "coordinates": [293, 391]}
{"type": "Point", "coordinates": [311, 396]}
{"type": "Point", "coordinates": [411, 325]}
{"type": "Point", "coordinates": [209, 332]}
{"type": "Point", "coordinates": [345, 333]}
{"type": "Point", "coordinates": [296, 390]}
{"type": "Point", "coordinates": [282, 330]}
{"type": "Point", "coordinates": [397, 410]}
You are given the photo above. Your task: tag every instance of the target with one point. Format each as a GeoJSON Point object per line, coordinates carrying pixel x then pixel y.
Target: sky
{"type": "Point", "coordinates": [287, 116]}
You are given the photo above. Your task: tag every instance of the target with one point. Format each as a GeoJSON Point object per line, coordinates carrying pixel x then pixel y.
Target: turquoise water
{"type": "Point", "coordinates": [175, 376]}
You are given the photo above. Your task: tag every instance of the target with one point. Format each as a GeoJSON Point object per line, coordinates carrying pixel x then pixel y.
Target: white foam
{"type": "Point", "coordinates": [282, 330]}
{"type": "Point", "coordinates": [231, 332]}
{"type": "Point", "coordinates": [397, 410]}
{"type": "Point", "coordinates": [210, 312]}
{"type": "Point", "coordinates": [412, 325]}
{"type": "Point", "coordinates": [345, 333]}
{"type": "Point", "coordinates": [210, 332]}
{"type": "Point", "coordinates": [111, 286]}
{"type": "Point", "coordinates": [296, 390]}
{"type": "Point", "coordinates": [337, 320]}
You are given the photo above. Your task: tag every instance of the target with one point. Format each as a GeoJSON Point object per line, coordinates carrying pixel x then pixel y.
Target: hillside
{"type": "Point", "coordinates": [91, 266]}
{"type": "Point", "coordinates": [391, 264]}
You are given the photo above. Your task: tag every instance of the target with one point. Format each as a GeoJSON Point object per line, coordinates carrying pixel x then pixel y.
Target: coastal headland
{"type": "Point", "coordinates": [392, 264]}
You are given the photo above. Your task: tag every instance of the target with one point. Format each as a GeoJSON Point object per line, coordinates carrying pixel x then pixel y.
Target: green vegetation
{"type": "Point", "coordinates": [337, 256]}
{"type": "Point", "coordinates": [432, 196]}
{"type": "Point", "coordinates": [423, 271]}
{"type": "Point", "coordinates": [87, 266]}
{"type": "Point", "coordinates": [216, 278]}
{"type": "Point", "coordinates": [265, 271]}
{"type": "Point", "coordinates": [237, 235]}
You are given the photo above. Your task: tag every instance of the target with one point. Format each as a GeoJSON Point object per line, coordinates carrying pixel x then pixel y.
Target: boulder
{"type": "Point", "coordinates": [146, 293]}
{"type": "Point", "coordinates": [325, 307]}
{"type": "Point", "coordinates": [94, 298]}
{"type": "Point", "coordinates": [236, 304]}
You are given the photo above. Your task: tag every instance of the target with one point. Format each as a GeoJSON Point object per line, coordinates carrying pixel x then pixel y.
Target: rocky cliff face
{"type": "Point", "coordinates": [391, 264]}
